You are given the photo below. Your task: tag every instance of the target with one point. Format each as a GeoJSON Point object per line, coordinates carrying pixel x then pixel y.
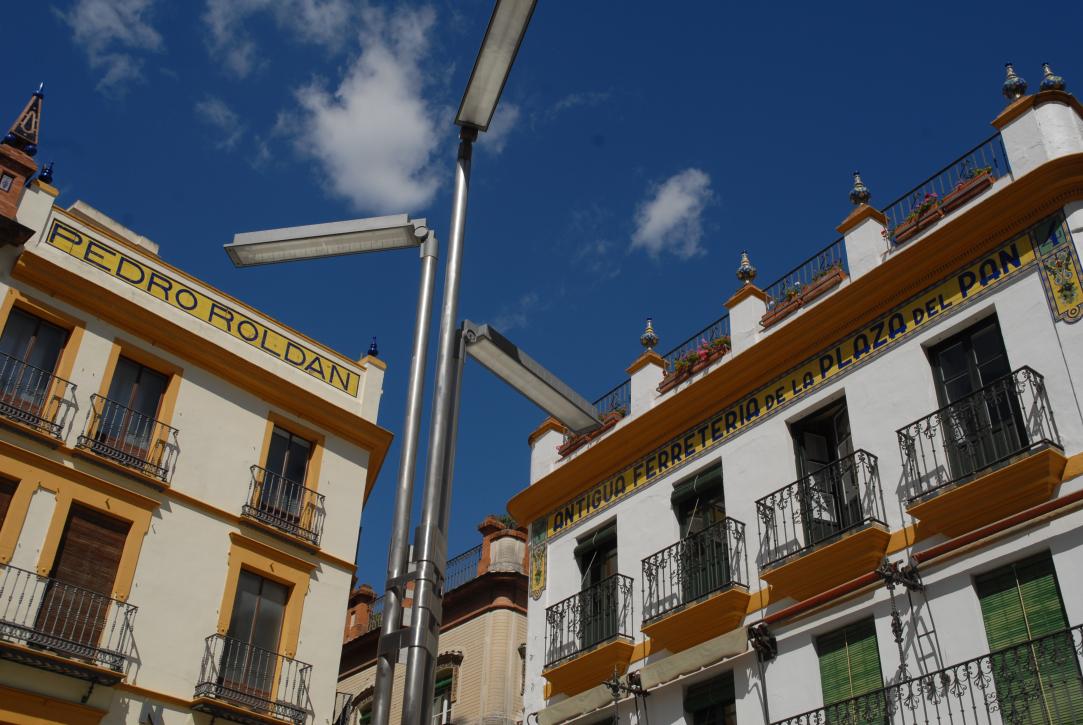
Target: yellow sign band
{"type": "Point", "coordinates": [178, 295]}
{"type": "Point", "coordinates": [814, 373]}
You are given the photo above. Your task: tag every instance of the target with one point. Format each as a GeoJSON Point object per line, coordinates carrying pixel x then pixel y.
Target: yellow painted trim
{"type": "Point", "coordinates": [19, 707]}
{"type": "Point", "coordinates": [47, 188]}
{"type": "Point", "coordinates": [650, 357]}
{"type": "Point", "coordinates": [13, 522]}
{"type": "Point", "coordinates": [721, 612]}
{"type": "Point", "coordinates": [748, 290]}
{"type": "Point", "coordinates": [374, 361]}
{"type": "Point", "coordinates": [338, 420]}
{"type": "Point", "coordinates": [1074, 467]}
{"type": "Point", "coordinates": [590, 668]}
{"type": "Point", "coordinates": [317, 439]}
{"type": "Point", "coordinates": [274, 564]}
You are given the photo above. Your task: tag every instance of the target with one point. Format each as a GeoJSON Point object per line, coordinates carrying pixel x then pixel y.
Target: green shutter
{"type": "Point", "coordinates": [850, 667]}
{"type": "Point", "coordinates": [834, 666]}
{"type": "Point", "coordinates": [1021, 602]}
{"type": "Point", "coordinates": [717, 691]}
{"type": "Point", "coordinates": [864, 658]}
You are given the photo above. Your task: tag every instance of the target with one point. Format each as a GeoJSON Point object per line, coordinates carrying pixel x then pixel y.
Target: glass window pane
{"type": "Point", "coordinates": [18, 333]}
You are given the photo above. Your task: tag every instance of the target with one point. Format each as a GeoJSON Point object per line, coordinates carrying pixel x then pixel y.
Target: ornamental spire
{"type": "Point", "coordinates": [1050, 81]}
{"type": "Point", "coordinates": [1014, 87]}
{"type": "Point", "coordinates": [23, 134]}
{"type": "Point", "coordinates": [860, 193]}
{"type": "Point", "coordinates": [746, 272]}
{"type": "Point", "coordinates": [649, 339]}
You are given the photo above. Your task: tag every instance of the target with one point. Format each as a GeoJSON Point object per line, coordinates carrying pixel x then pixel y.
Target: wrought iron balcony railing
{"type": "Point", "coordinates": [842, 496]}
{"type": "Point", "coordinates": [65, 619]}
{"type": "Point", "coordinates": [988, 157]}
{"type": "Point", "coordinates": [130, 438]}
{"type": "Point", "coordinates": [284, 504]}
{"type": "Point", "coordinates": [831, 257]}
{"type": "Point", "coordinates": [618, 400]}
{"type": "Point", "coordinates": [1036, 682]}
{"type": "Point", "coordinates": [1009, 417]}
{"type": "Point", "coordinates": [462, 569]}
{"type": "Point", "coordinates": [694, 568]}
{"type": "Point", "coordinates": [242, 674]}
{"type": "Point", "coordinates": [375, 615]}
{"type": "Point", "coordinates": [598, 613]}
{"type": "Point", "coordinates": [343, 711]}
{"type": "Point", "coordinates": [718, 329]}
{"type": "Point", "coordinates": [34, 397]}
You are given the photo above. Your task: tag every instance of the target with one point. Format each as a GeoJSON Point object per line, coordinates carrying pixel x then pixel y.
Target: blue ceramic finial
{"type": "Point", "coordinates": [1014, 87]}
{"type": "Point", "coordinates": [373, 350]}
{"type": "Point", "coordinates": [860, 193]}
{"type": "Point", "coordinates": [1050, 82]}
{"type": "Point", "coordinates": [46, 175]}
{"type": "Point", "coordinates": [746, 272]}
{"type": "Point", "coordinates": [40, 92]}
{"type": "Point", "coordinates": [649, 339]}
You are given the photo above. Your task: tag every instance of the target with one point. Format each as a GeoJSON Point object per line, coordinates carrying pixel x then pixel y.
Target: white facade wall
{"type": "Point", "coordinates": [883, 394]}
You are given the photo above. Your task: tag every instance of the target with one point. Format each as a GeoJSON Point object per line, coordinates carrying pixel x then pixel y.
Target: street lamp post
{"type": "Point", "coordinates": [366, 235]}
{"type": "Point", "coordinates": [503, 36]}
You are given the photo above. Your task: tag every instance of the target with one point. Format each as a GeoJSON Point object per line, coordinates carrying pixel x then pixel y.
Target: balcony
{"type": "Point", "coordinates": [462, 569]}
{"type": "Point", "coordinates": [588, 635]}
{"type": "Point", "coordinates": [285, 505]}
{"type": "Point", "coordinates": [824, 529]}
{"type": "Point", "coordinates": [34, 398]}
{"type": "Point", "coordinates": [128, 438]}
{"type": "Point", "coordinates": [696, 589]}
{"type": "Point", "coordinates": [1037, 681]}
{"type": "Point", "coordinates": [991, 454]}
{"type": "Point", "coordinates": [243, 683]}
{"type": "Point", "coordinates": [63, 628]}
{"type": "Point", "coordinates": [376, 614]}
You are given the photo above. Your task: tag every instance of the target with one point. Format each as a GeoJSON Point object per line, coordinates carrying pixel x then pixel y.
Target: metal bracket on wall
{"type": "Point", "coordinates": [893, 573]}
{"type": "Point", "coordinates": [761, 640]}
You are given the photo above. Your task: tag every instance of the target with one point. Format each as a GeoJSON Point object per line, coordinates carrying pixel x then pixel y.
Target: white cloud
{"type": "Point", "coordinates": [504, 121]}
{"type": "Point", "coordinates": [375, 136]}
{"type": "Point", "coordinates": [111, 32]}
{"type": "Point", "coordinates": [519, 315]}
{"type": "Point", "coordinates": [671, 218]}
{"type": "Point", "coordinates": [215, 112]}
{"type": "Point", "coordinates": [319, 22]}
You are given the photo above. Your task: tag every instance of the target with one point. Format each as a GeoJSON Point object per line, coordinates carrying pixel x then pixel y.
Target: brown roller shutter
{"type": "Point", "coordinates": [76, 603]}
{"type": "Point", "coordinates": [7, 492]}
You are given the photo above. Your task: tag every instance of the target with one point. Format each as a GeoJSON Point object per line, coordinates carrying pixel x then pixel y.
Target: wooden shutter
{"type": "Point", "coordinates": [7, 492]}
{"type": "Point", "coordinates": [849, 662]}
{"type": "Point", "coordinates": [1021, 602]}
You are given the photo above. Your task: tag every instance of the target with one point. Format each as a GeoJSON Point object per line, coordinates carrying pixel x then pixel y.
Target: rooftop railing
{"type": "Point", "coordinates": [54, 616]}
{"type": "Point", "coordinates": [595, 615]}
{"type": "Point", "coordinates": [376, 614]}
{"type": "Point", "coordinates": [34, 397]}
{"type": "Point", "coordinates": [242, 674]}
{"type": "Point", "coordinates": [694, 568]}
{"type": "Point", "coordinates": [717, 329]}
{"type": "Point", "coordinates": [284, 504]}
{"type": "Point", "coordinates": [617, 400]}
{"type": "Point", "coordinates": [130, 438]}
{"type": "Point", "coordinates": [462, 569]}
{"type": "Point", "coordinates": [1037, 681]}
{"type": "Point", "coordinates": [1007, 418]}
{"type": "Point", "coordinates": [842, 496]}
{"type": "Point", "coordinates": [791, 284]}
{"type": "Point", "coordinates": [988, 157]}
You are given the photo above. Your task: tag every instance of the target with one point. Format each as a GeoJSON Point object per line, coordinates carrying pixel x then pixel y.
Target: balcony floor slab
{"type": "Point", "coordinates": [829, 565]}
{"type": "Point", "coordinates": [690, 625]}
{"type": "Point", "coordinates": [590, 668]}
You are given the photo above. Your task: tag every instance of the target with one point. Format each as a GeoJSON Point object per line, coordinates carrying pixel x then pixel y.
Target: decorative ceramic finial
{"type": "Point", "coordinates": [649, 339]}
{"type": "Point", "coordinates": [46, 174]}
{"type": "Point", "coordinates": [1014, 87]}
{"type": "Point", "coordinates": [860, 193]}
{"type": "Point", "coordinates": [1050, 82]}
{"type": "Point", "coordinates": [746, 272]}
{"type": "Point", "coordinates": [373, 350]}
{"type": "Point", "coordinates": [23, 134]}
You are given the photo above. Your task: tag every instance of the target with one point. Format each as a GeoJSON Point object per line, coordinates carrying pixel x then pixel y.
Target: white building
{"type": "Point", "coordinates": [855, 498]}
{"type": "Point", "coordinates": [181, 481]}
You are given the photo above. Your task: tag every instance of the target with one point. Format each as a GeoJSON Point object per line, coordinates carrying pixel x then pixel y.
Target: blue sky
{"type": "Point", "coordinates": [635, 154]}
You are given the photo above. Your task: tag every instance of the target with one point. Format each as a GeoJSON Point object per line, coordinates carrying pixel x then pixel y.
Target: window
{"type": "Point", "coordinates": [30, 348]}
{"type": "Point", "coordinates": [698, 501]}
{"type": "Point", "coordinates": [712, 702]}
{"type": "Point", "coordinates": [830, 497]}
{"type": "Point", "coordinates": [599, 598]}
{"type": "Point", "coordinates": [127, 425]}
{"type": "Point", "coordinates": [7, 492]}
{"type": "Point", "coordinates": [255, 627]}
{"type": "Point", "coordinates": [1021, 603]}
{"type": "Point", "coordinates": [442, 697]}
{"type": "Point", "coordinates": [982, 420]}
{"type": "Point", "coordinates": [850, 667]}
{"type": "Point", "coordinates": [6, 181]}
{"type": "Point", "coordinates": [76, 601]}
{"type": "Point", "coordinates": [704, 556]}
{"type": "Point", "coordinates": [284, 481]}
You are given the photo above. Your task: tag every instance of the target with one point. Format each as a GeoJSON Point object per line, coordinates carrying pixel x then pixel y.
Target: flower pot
{"type": "Point", "coordinates": [966, 190]}
{"type": "Point", "coordinates": [822, 284]}
{"type": "Point", "coordinates": [780, 310]}
{"type": "Point", "coordinates": [911, 227]}
{"type": "Point", "coordinates": [671, 380]}
{"type": "Point", "coordinates": [609, 420]}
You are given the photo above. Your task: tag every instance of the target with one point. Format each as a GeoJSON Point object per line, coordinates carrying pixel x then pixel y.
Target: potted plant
{"type": "Point", "coordinates": [682, 370]}
{"type": "Point", "coordinates": [609, 419]}
{"type": "Point", "coordinates": [973, 181]}
{"type": "Point", "coordinates": [825, 279]}
{"type": "Point", "coordinates": [779, 308]}
{"type": "Point", "coordinates": [923, 213]}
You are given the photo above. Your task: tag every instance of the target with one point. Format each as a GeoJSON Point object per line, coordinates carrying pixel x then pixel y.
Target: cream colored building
{"type": "Point", "coordinates": [181, 481]}
{"type": "Point", "coordinates": [479, 671]}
